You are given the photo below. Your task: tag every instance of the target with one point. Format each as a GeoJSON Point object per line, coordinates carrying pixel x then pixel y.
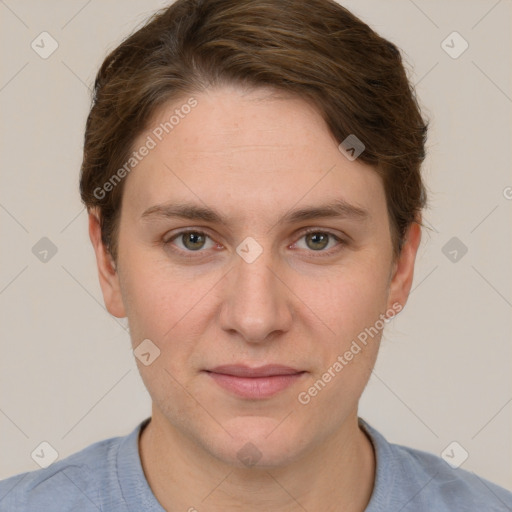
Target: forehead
{"type": "Point", "coordinates": [229, 121]}
{"type": "Point", "coordinates": [249, 151]}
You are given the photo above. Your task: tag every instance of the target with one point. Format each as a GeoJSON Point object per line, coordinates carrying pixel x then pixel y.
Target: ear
{"type": "Point", "coordinates": [403, 268]}
{"type": "Point", "coordinates": [107, 273]}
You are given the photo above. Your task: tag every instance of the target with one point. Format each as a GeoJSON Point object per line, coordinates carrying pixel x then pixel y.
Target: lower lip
{"type": "Point", "coordinates": [255, 387]}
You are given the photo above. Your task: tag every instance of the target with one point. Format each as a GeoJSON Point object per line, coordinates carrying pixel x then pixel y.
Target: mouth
{"type": "Point", "coordinates": [254, 383]}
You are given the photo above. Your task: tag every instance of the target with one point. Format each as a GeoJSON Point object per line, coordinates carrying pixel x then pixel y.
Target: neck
{"type": "Point", "coordinates": [337, 474]}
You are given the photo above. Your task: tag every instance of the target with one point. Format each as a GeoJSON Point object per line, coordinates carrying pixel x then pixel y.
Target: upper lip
{"type": "Point", "coordinates": [269, 370]}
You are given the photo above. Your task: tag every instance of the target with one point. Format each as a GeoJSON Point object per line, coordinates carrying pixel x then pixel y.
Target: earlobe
{"type": "Point", "coordinates": [403, 268]}
{"type": "Point", "coordinates": [107, 273]}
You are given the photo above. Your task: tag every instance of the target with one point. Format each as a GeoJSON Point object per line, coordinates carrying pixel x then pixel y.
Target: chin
{"type": "Point", "coordinates": [258, 442]}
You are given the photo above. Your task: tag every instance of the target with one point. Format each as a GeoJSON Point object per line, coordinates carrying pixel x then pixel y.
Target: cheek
{"type": "Point", "coordinates": [160, 306]}
{"type": "Point", "coordinates": [155, 295]}
{"type": "Point", "coordinates": [350, 306]}
{"type": "Point", "coordinates": [346, 300]}
{"type": "Point", "coordinates": [169, 306]}
{"type": "Point", "coordinates": [143, 296]}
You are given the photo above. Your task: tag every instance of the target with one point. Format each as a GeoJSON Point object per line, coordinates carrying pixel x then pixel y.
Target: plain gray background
{"type": "Point", "coordinates": [67, 372]}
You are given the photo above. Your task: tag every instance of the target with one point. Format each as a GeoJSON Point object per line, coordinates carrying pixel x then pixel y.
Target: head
{"type": "Point", "coordinates": [231, 229]}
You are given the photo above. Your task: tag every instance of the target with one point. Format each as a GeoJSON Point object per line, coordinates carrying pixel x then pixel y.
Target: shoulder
{"type": "Point", "coordinates": [453, 488]}
{"type": "Point", "coordinates": [78, 482]}
{"type": "Point", "coordinates": [408, 479]}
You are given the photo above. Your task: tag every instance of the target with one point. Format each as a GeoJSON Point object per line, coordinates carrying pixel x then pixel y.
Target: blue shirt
{"type": "Point", "coordinates": [107, 476]}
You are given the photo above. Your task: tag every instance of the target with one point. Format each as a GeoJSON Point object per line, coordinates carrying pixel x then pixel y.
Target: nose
{"type": "Point", "coordinates": [257, 304]}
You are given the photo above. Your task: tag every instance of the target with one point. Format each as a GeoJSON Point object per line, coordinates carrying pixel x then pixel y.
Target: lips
{"type": "Point", "coordinates": [269, 370]}
{"type": "Point", "coordinates": [254, 383]}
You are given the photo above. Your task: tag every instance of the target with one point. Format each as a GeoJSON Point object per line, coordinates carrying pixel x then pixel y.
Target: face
{"type": "Point", "coordinates": [248, 239]}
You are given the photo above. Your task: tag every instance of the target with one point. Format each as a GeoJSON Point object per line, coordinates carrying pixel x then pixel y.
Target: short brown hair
{"type": "Point", "coordinates": [314, 49]}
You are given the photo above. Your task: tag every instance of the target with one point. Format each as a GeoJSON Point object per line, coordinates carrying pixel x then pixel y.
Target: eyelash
{"type": "Point", "coordinates": [191, 254]}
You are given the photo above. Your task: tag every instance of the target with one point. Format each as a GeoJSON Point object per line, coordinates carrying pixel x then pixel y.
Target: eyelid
{"type": "Point", "coordinates": [181, 231]}
{"type": "Point", "coordinates": [200, 231]}
{"type": "Point", "coordinates": [341, 239]}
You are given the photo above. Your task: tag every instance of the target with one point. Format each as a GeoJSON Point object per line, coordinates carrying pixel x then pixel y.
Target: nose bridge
{"type": "Point", "coordinates": [256, 303]}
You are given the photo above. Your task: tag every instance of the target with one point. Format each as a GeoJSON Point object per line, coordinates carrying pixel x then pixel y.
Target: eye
{"type": "Point", "coordinates": [196, 241]}
{"type": "Point", "coordinates": [191, 241]}
{"type": "Point", "coordinates": [318, 241]}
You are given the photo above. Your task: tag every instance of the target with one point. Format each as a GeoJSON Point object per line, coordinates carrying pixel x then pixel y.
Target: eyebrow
{"type": "Point", "coordinates": [335, 209]}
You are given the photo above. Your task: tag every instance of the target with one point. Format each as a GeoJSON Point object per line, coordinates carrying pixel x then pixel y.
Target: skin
{"type": "Point", "coordinates": [253, 156]}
